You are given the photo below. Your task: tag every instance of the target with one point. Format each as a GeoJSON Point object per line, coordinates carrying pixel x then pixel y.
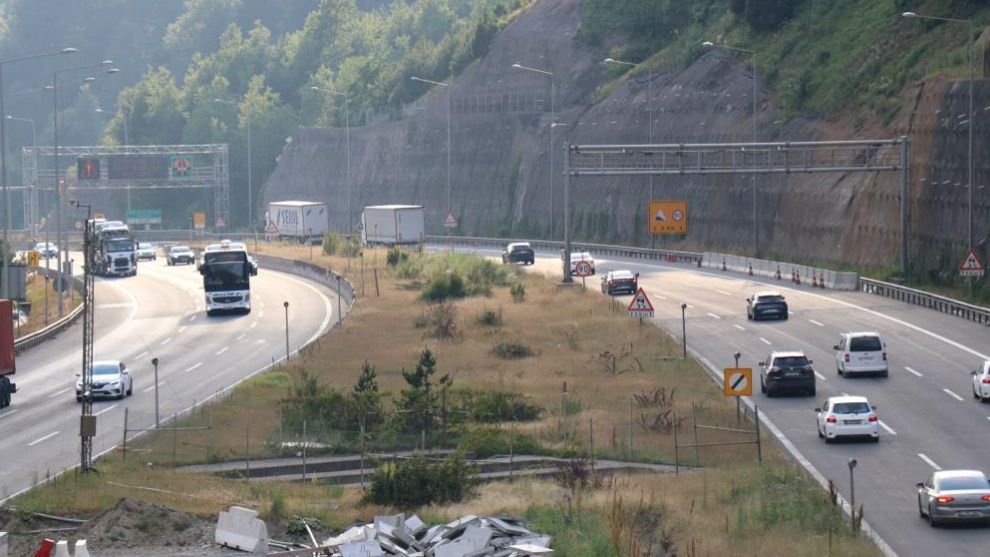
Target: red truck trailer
{"type": "Point", "coordinates": [7, 367]}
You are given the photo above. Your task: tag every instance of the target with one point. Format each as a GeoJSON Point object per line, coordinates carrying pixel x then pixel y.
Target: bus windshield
{"type": "Point", "coordinates": [225, 271]}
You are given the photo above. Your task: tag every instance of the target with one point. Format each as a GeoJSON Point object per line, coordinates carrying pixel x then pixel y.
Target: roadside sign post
{"type": "Point", "coordinates": [583, 270]}
{"type": "Point", "coordinates": [640, 305]}
{"type": "Point", "coordinates": [736, 356]}
{"type": "Point", "coordinates": [450, 223]}
{"type": "Point", "coordinates": [971, 265]}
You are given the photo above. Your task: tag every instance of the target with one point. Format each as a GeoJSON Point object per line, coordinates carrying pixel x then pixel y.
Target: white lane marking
{"type": "Point", "coordinates": [183, 328]}
{"type": "Point", "coordinates": [887, 428]}
{"type": "Point", "coordinates": [222, 350]}
{"type": "Point", "coordinates": [141, 355]}
{"type": "Point", "coordinates": [914, 372]}
{"type": "Point", "coordinates": [151, 388]}
{"type": "Point", "coordinates": [63, 391]}
{"type": "Point", "coordinates": [112, 306]}
{"type": "Point", "coordinates": [790, 313]}
{"type": "Point", "coordinates": [192, 367]}
{"type": "Point", "coordinates": [253, 325]}
{"type": "Point", "coordinates": [166, 341]}
{"type": "Point", "coordinates": [929, 461]}
{"type": "Point", "coordinates": [192, 318]}
{"type": "Point", "coordinates": [813, 322]}
{"type": "Point", "coordinates": [658, 296]}
{"type": "Point", "coordinates": [45, 438]}
{"type": "Point", "coordinates": [765, 341]}
{"type": "Point", "coordinates": [689, 306]}
{"type": "Point", "coordinates": [14, 411]}
{"type": "Point", "coordinates": [714, 316]}
{"type": "Point", "coordinates": [738, 326]}
{"type": "Point", "coordinates": [724, 293]}
{"type": "Point", "coordinates": [105, 410]}
{"type": "Point", "coordinates": [261, 314]}
{"type": "Point", "coordinates": [242, 336]}
{"type": "Point", "coordinates": [820, 376]}
{"type": "Point", "coordinates": [953, 395]}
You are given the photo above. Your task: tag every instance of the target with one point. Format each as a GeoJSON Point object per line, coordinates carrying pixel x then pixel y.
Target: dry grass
{"type": "Point", "coordinates": [36, 286]}
{"type": "Point", "coordinates": [574, 334]}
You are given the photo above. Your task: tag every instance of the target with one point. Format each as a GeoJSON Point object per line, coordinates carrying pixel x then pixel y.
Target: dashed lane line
{"type": "Point", "coordinates": [820, 376]}
{"type": "Point", "coordinates": [241, 337]}
{"type": "Point", "coordinates": [953, 395]}
{"type": "Point", "coordinates": [738, 326]}
{"type": "Point", "coordinates": [813, 322]}
{"type": "Point", "coordinates": [105, 410]}
{"type": "Point", "coordinates": [14, 411]}
{"type": "Point", "coordinates": [182, 328]}
{"type": "Point", "coordinates": [45, 438]}
{"type": "Point", "coordinates": [166, 341]}
{"type": "Point", "coordinates": [765, 341]}
{"type": "Point", "coordinates": [63, 391]}
{"type": "Point", "coordinates": [222, 350]}
{"type": "Point", "coordinates": [887, 428]}
{"type": "Point", "coordinates": [151, 388]}
{"type": "Point", "coordinates": [724, 293]}
{"type": "Point", "coordinates": [914, 372]}
{"type": "Point", "coordinates": [714, 316]}
{"type": "Point", "coordinates": [929, 461]}
{"type": "Point", "coordinates": [192, 367]}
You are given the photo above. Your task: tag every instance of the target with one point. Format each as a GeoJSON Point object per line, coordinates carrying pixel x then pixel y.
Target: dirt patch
{"type": "Point", "coordinates": [129, 527]}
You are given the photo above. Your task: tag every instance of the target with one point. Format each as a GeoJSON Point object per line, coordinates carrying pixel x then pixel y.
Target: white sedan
{"type": "Point", "coordinates": [981, 382]}
{"type": "Point", "coordinates": [847, 416]}
{"type": "Point", "coordinates": [111, 379]}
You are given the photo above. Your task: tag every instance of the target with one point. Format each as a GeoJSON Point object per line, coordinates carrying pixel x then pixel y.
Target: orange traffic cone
{"type": "Point", "coordinates": [750, 269]}
{"type": "Point", "coordinates": [814, 280]}
{"type": "Point", "coordinates": [723, 264]}
{"type": "Point", "coordinates": [797, 277]}
{"type": "Point", "coordinates": [777, 276]}
{"type": "Point", "coordinates": [46, 548]}
{"type": "Point", "coordinates": [821, 283]}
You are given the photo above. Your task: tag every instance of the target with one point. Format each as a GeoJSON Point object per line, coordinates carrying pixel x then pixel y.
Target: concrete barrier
{"type": "Point", "coordinates": [62, 549]}
{"type": "Point", "coordinates": [789, 272]}
{"type": "Point", "coordinates": [241, 528]}
{"type": "Point", "coordinates": [81, 549]}
{"type": "Point", "coordinates": [3, 544]}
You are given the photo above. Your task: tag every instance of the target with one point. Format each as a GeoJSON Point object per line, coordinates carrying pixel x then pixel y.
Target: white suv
{"type": "Point", "coordinates": [861, 352]}
{"type": "Point", "coordinates": [981, 382]}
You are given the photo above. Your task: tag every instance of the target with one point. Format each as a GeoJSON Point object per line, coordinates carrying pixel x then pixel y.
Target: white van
{"type": "Point", "coordinates": [861, 352]}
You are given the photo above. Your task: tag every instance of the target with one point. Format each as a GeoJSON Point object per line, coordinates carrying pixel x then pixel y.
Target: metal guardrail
{"type": "Point", "coordinates": [969, 312]}
{"type": "Point", "coordinates": [316, 273]}
{"type": "Point", "coordinates": [671, 256]}
{"type": "Point", "coordinates": [37, 337]}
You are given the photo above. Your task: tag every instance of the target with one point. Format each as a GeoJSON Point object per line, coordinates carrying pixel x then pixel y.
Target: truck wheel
{"type": "Point", "coordinates": [4, 392]}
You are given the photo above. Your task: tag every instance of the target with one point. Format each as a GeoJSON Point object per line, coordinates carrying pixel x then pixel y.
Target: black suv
{"type": "Point", "coordinates": [518, 252]}
{"type": "Point", "coordinates": [766, 304]}
{"type": "Point", "coordinates": [787, 371]}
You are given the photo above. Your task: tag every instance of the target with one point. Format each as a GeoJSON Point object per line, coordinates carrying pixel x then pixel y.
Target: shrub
{"type": "Point", "coordinates": [395, 256]}
{"type": "Point", "coordinates": [336, 244]}
{"type": "Point", "coordinates": [518, 292]}
{"type": "Point", "coordinates": [277, 510]}
{"type": "Point", "coordinates": [444, 287]}
{"type": "Point", "coordinates": [498, 406]}
{"type": "Point", "coordinates": [416, 481]}
{"type": "Point", "coordinates": [491, 318]}
{"type": "Point", "coordinates": [512, 350]}
{"type": "Point", "coordinates": [486, 442]}
{"type": "Point", "coordinates": [442, 320]}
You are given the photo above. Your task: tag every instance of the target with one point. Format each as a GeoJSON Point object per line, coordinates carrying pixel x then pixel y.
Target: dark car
{"type": "Point", "coordinates": [766, 304]}
{"type": "Point", "coordinates": [518, 252]}
{"type": "Point", "coordinates": [620, 282]}
{"type": "Point", "coordinates": [787, 371]}
{"type": "Point", "coordinates": [180, 255]}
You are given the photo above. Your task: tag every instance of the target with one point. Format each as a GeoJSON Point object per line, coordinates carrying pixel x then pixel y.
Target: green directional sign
{"type": "Point", "coordinates": [144, 216]}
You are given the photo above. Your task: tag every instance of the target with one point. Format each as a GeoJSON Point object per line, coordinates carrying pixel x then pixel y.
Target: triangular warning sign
{"type": "Point", "coordinates": [271, 228]}
{"type": "Point", "coordinates": [660, 217]}
{"type": "Point", "coordinates": [640, 305]}
{"type": "Point", "coordinates": [450, 222]}
{"type": "Point", "coordinates": [971, 264]}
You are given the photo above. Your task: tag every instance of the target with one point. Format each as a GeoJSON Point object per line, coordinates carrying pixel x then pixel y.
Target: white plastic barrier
{"type": "Point", "coordinates": [3, 544]}
{"type": "Point", "coordinates": [785, 272]}
{"type": "Point", "coordinates": [81, 550]}
{"type": "Point", "coordinates": [62, 549]}
{"type": "Point", "coordinates": [241, 528]}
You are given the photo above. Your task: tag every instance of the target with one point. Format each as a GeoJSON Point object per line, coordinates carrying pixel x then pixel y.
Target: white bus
{"type": "Point", "coordinates": [227, 269]}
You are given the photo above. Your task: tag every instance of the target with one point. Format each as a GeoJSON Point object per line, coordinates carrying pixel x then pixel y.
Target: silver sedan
{"type": "Point", "coordinates": [954, 496]}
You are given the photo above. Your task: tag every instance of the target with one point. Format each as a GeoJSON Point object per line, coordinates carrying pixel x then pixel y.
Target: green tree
{"type": "Point", "coordinates": [366, 400]}
{"type": "Point", "coordinates": [420, 404]}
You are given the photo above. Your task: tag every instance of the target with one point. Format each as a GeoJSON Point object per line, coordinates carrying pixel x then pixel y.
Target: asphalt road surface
{"type": "Point", "coordinates": [159, 313]}
{"type": "Point", "coordinates": [929, 418]}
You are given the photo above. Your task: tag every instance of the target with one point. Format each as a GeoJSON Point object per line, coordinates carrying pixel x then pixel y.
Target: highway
{"type": "Point", "coordinates": [159, 313]}
{"type": "Point", "coordinates": [929, 417]}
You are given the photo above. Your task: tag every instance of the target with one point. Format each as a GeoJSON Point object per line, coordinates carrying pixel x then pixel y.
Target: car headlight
{"type": "Point", "coordinates": [79, 385]}
{"type": "Point", "coordinates": [115, 383]}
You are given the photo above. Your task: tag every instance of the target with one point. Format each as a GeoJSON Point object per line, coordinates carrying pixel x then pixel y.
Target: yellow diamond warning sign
{"type": "Point", "coordinates": [668, 217]}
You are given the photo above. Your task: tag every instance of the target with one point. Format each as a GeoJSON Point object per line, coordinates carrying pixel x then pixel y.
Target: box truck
{"type": "Point", "coordinates": [7, 367]}
{"type": "Point", "coordinates": [391, 225]}
{"type": "Point", "coordinates": [305, 221]}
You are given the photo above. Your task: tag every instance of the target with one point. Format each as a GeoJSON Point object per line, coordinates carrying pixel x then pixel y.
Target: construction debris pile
{"type": "Point", "coordinates": [468, 536]}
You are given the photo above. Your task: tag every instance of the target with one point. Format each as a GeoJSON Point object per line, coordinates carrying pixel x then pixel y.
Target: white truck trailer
{"type": "Point", "coordinates": [391, 225]}
{"type": "Point", "coordinates": [305, 221]}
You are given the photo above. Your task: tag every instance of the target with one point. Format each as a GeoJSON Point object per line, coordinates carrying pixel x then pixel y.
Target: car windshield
{"type": "Point", "coordinates": [121, 244]}
{"type": "Point", "coordinates": [791, 361]}
{"type": "Point", "coordinates": [864, 344]}
{"type": "Point", "coordinates": [966, 482]}
{"type": "Point", "coordinates": [144, 246]}
{"type": "Point", "coordinates": [106, 369]}
{"type": "Point", "coordinates": [769, 299]}
{"type": "Point", "coordinates": [851, 408]}
{"type": "Point", "coordinates": [180, 251]}
{"type": "Point", "coordinates": [622, 275]}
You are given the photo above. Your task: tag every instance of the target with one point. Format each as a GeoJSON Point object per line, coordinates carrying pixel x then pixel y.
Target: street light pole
{"type": "Point", "coordinates": [752, 53]}
{"type": "Point", "coordinates": [649, 108]}
{"type": "Point", "coordinates": [347, 139]}
{"type": "Point", "coordinates": [450, 206]}
{"type": "Point", "coordinates": [684, 328]}
{"type": "Point", "coordinates": [285, 304]}
{"type": "Point", "coordinates": [3, 164]}
{"type": "Point", "coordinates": [852, 492]}
{"type": "Point", "coordinates": [553, 116]}
{"type": "Point", "coordinates": [969, 115]}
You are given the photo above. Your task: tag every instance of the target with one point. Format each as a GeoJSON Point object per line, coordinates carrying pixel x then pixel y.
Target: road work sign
{"type": "Point", "coordinates": [668, 217]}
{"type": "Point", "coordinates": [640, 305]}
{"type": "Point", "coordinates": [450, 221]}
{"type": "Point", "coordinates": [971, 265]}
{"type": "Point", "coordinates": [737, 381]}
